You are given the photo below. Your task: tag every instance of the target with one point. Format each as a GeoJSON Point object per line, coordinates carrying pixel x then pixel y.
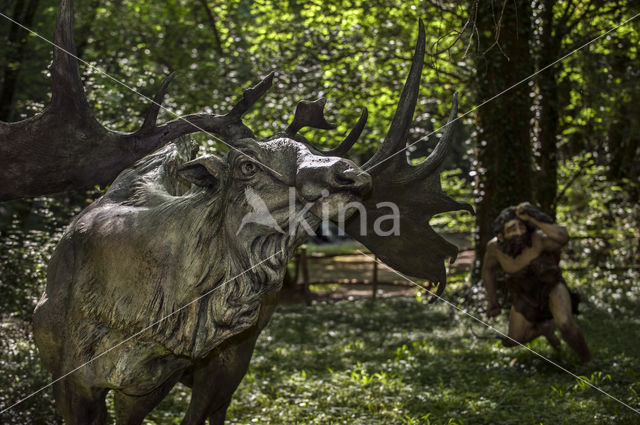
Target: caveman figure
{"type": "Point", "coordinates": [527, 247]}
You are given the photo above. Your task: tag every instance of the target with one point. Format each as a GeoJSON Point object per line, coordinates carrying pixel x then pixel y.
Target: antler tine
{"type": "Point", "coordinates": [399, 129]}
{"type": "Point", "coordinates": [152, 115]}
{"type": "Point", "coordinates": [229, 126]}
{"type": "Point", "coordinates": [67, 90]}
{"type": "Point", "coordinates": [250, 96]}
{"type": "Point", "coordinates": [352, 138]}
{"type": "Point", "coordinates": [309, 114]}
{"type": "Point", "coordinates": [434, 160]}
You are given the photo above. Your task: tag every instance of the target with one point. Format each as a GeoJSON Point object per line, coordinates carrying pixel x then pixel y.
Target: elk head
{"type": "Point", "coordinates": [416, 249]}
{"type": "Point", "coordinates": [275, 192]}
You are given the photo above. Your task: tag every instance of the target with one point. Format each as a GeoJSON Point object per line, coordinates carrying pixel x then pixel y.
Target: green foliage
{"type": "Point", "coordinates": [602, 217]}
{"type": "Point", "coordinates": [597, 89]}
{"type": "Point", "coordinates": [29, 234]}
{"type": "Point", "coordinates": [22, 374]}
{"type": "Point", "coordinates": [459, 188]}
{"type": "Point", "coordinates": [23, 259]}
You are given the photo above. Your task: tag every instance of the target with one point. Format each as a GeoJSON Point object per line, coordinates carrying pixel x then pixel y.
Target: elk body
{"type": "Point", "coordinates": [163, 280]}
{"type": "Point", "coordinates": [148, 247]}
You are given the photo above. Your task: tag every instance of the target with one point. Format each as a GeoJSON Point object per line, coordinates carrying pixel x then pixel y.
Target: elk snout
{"type": "Point", "coordinates": [339, 176]}
{"type": "Point", "coordinates": [351, 179]}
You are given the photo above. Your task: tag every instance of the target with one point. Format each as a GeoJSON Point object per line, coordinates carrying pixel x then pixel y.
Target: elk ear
{"type": "Point", "coordinates": [207, 171]}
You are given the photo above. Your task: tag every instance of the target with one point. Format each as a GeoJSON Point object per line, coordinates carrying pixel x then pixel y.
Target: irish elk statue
{"type": "Point", "coordinates": [160, 280]}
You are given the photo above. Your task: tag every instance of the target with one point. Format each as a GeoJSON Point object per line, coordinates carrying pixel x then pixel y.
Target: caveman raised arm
{"type": "Point", "coordinates": [555, 236]}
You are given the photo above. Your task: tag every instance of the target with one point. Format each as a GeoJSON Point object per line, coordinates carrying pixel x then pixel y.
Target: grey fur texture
{"type": "Point", "coordinates": [164, 266]}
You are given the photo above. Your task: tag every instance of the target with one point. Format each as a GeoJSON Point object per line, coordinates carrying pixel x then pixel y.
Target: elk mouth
{"type": "Point", "coordinates": [335, 206]}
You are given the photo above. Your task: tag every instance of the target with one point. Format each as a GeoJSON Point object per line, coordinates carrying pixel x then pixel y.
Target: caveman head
{"type": "Point", "coordinates": [514, 235]}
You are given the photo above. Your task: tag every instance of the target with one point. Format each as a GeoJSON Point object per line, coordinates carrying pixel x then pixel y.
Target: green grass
{"type": "Point", "coordinates": [401, 361]}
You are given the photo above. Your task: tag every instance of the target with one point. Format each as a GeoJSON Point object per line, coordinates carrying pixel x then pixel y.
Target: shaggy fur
{"type": "Point", "coordinates": [152, 278]}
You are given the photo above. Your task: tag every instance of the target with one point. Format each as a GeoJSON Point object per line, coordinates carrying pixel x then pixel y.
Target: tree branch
{"type": "Point", "coordinates": [214, 27]}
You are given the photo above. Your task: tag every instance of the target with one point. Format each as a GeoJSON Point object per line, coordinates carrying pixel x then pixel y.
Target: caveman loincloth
{"type": "Point", "coordinates": [529, 287]}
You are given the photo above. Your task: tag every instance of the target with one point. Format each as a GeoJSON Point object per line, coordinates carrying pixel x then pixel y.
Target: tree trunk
{"type": "Point", "coordinates": [547, 179]}
{"type": "Point", "coordinates": [503, 145]}
{"type": "Point", "coordinates": [23, 12]}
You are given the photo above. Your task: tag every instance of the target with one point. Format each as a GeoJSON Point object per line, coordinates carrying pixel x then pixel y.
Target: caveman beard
{"type": "Point", "coordinates": [515, 244]}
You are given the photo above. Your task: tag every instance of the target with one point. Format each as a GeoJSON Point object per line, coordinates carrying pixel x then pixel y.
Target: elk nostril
{"type": "Point", "coordinates": [344, 181]}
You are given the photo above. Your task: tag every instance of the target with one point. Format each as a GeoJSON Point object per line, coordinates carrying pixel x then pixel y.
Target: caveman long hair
{"type": "Point", "coordinates": [509, 213]}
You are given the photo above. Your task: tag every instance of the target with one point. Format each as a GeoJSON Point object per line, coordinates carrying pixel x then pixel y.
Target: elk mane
{"type": "Point", "coordinates": [226, 299]}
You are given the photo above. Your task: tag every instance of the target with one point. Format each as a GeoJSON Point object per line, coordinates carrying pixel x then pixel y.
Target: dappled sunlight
{"type": "Point", "coordinates": [399, 360]}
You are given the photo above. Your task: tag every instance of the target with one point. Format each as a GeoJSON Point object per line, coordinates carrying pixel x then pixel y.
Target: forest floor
{"type": "Point", "coordinates": [401, 361]}
{"type": "Point", "coordinates": [397, 360]}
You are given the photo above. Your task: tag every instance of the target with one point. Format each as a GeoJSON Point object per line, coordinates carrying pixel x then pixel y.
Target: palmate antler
{"type": "Point", "coordinates": [418, 250]}
{"type": "Point", "coordinates": [65, 148]}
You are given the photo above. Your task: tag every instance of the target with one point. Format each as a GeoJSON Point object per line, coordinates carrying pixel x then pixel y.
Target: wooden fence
{"type": "Point", "coordinates": [302, 258]}
{"type": "Point", "coordinates": [301, 274]}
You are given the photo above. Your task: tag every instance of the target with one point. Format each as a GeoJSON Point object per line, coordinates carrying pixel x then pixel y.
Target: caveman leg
{"type": "Point", "coordinates": [560, 306]}
{"type": "Point", "coordinates": [80, 406]}
{"type": "Point", "coordinates": [521, 330]}
{"type": "Point", "coordinates": [548, 330]}
{"type": "Point", "coordinates": [131, 410]}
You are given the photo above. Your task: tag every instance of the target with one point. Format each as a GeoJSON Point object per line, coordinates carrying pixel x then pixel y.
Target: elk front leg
{"type": "Point", "coordinates": [214, 380]}
{"type": "Point", "coordinates": [80, 407]}
{"type": "Point", "coordinates": [131, 410]}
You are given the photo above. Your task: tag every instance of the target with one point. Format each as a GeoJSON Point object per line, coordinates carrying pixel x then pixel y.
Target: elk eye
{"type": "Point", "coordinates": [248, 168]}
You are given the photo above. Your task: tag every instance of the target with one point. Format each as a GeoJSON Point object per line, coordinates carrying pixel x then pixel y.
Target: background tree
{"type": "Point", "coordinates": [504, 161]}
{"type": "Point", "coordinates": [24, 12]}
{"type": "Point", "coordinates": [550, 134]}
{"type": "Point", "coordinates": [562, 29]}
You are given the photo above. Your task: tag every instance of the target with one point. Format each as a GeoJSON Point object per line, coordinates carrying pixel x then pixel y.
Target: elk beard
{"type": "Point", "coordinates": [515, 245]}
